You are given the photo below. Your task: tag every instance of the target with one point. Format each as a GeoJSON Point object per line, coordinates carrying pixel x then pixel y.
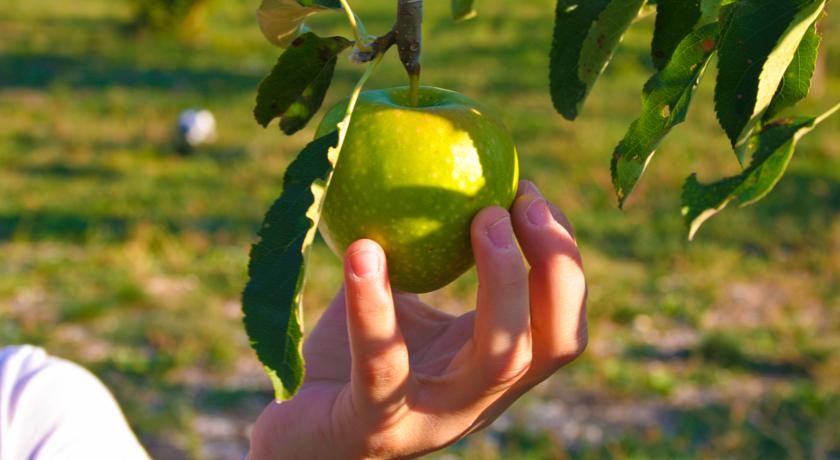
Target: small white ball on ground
{"type": "Point", "coordinates": [196, 127]}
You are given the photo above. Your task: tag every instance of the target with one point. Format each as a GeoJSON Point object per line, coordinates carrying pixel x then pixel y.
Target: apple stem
{"type": "Point", "coordinates": [414, 90]}
{"type": "Point", "coordinates": [409, 34]}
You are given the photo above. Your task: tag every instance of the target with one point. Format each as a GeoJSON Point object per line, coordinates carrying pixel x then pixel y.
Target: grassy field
{"type": "Point", "coordinates": [128, 258]}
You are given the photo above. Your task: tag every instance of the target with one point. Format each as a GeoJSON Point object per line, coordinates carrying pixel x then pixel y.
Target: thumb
{"type": "Point", "coordinates": [379, 371]}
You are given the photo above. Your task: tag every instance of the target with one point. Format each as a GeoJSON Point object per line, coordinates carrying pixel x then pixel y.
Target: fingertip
{"type": "Point", "coordinates": [361, 245]}
{"type": "Point", "coordinates": [367, 292]}
{"type": "Point", "coordinates": [538, 214]}
{"type": "Point", "coordinates": [527, 187]}
{"type": "Point", "coordinates": [366, 281]}
{"type": "Point", "coordinates": [497, 257]}
{"type": "Point", "coordinates": [487, 216]}
{"type": "Point", "coordinates": [364, 259]}
{"type": "Point", "coordinates": [492, 228]}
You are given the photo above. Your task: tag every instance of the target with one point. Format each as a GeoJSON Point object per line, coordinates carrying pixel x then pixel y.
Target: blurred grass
{"type": "Point", "coordinates": [122, 255]}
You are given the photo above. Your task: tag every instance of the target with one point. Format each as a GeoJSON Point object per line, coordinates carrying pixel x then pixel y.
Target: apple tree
{"type": "Point", "coordinates": [766, 53]}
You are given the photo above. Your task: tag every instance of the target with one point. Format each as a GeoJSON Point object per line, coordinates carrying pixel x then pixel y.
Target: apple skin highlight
{"type": "Point", "coordinates": [412, 179]}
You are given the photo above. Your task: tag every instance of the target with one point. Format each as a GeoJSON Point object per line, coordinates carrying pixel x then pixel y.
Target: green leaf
{"type": "Point", "coordinates": [332, 4]}
{"type": "Point", "coordinates": [667, 96]}
{"type": "Point", "coordinates": [281, 21]}
{"type": "Point", "coordinates": [295, 88]}
{"type": "Point", "coordinates": [463, 9]}
{"type": "Point", "coordinates": [725, 13]}
{"type": "Point", "coordinates": [797, 79]}
{"type": "Point", "coordinates": [586, 34]}
{"type": "Point", "coordinates": [272, 298]}
{"type": "Point", "coordinates": [710, 11]}
{"type": "Point", "coordinates": [772, 149]}
{"type": "Point", "coordinates": [757, 47]}
{"type": "Point", "coordinates": [302, 110]}
{"type": "Point", "coordinates": [675, 19]}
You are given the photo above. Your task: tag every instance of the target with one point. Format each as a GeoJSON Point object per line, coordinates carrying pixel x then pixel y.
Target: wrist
{"type": "Point", "coordinates": [300, 428]}
{"type": "Point", "coordinates": [284, 430]}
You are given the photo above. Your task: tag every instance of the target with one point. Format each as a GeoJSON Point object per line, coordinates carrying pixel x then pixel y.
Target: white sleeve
{"type": "Point", "coordinates": [53, 409]}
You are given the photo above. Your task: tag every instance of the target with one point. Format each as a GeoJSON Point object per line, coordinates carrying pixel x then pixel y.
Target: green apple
{"type": "Point", "coordinates": [413, 178]}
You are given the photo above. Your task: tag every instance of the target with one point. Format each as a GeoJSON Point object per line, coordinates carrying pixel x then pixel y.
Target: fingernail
{"type": "Point", "coordinates": [500, 233]}
{"type": "Point", "coordinates": [528, 188]}
{"type": "Point", "coordinates": [365, 263]}
{"type": "Point", "coordinates": [538, 213]}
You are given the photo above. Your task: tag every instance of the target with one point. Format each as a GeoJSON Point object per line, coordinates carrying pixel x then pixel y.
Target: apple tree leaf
{"type": "Point", "coordinates": [301, 111]}
{"type": "Point", "coordinates": [772, 148]}
{"type": "Point", "coordinates": [463, 9]}
{"type": "Point", "coordinates": [271, 302]}
{"type": "Point", "coordinates": [667, 96]}
{"type": "Point", "coordinates": [675, 19]}
{"type": "Point", "coordinates": [332, 4]}
{"type": "Point", "coordinates": [758, 44]}
{"type": "Point", "coordinates": [295, 88]}
{"type": "Point", "coordinates": [281, 21]}
{"type": "Point", "coordinates": [586, 34]}
{"type": "Point", "coordinates": [272, 299]}
{"type": "Point", "coordinates": [796, 83]}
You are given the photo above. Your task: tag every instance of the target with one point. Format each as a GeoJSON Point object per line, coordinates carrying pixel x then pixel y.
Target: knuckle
{"type": "Point", "coordinates": [561, 267]}
{"type": "Point", "coordinates": [367, 304]}
{"type": "Point", "coordinates": [514, 283]}
{"type": "Point", "coordinates": [382, 367]}
{"type": "Point", "coordinates": [510, 274]}
{"type": "Point", "coordinates": [504, 370]}
{"type": "Point", "coordinates": [568, 261]}
{"type": "Point", "coordinates": [572, 349]}
{"type": "Point", "coordinates": [577, 347]}
{"type": "Point", "coordinates": [381, 372]}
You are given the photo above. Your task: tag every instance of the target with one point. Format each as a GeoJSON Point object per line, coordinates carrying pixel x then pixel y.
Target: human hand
{"type": "Point", "coordinates": [388, 376]}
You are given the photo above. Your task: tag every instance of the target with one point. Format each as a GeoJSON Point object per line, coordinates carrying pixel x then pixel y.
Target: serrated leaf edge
{"type": "Point", "coordinates": [675, 117]}
{"type": "Point", "coordinates": [778, 59]}
{"type": "Point", "coordinates": [701, 218]}
{"type": "Point", "coordinates": [592, 42]}
{"type": "Point", "coordinates": [318, 188]}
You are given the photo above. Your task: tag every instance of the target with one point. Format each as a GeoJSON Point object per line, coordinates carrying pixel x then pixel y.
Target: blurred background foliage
{"type": "Point", "coordinates": [178, 17]}
{"type": "Point", "coordinates": [122, 255]}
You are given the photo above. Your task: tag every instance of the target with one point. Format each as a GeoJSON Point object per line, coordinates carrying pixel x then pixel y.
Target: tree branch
{"type": "Point", "coordinates": [409, 29]}
{"type": "Point", "coordinates": [378, 47]}
{"type": "Point", "coordinates": [407, 34]}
